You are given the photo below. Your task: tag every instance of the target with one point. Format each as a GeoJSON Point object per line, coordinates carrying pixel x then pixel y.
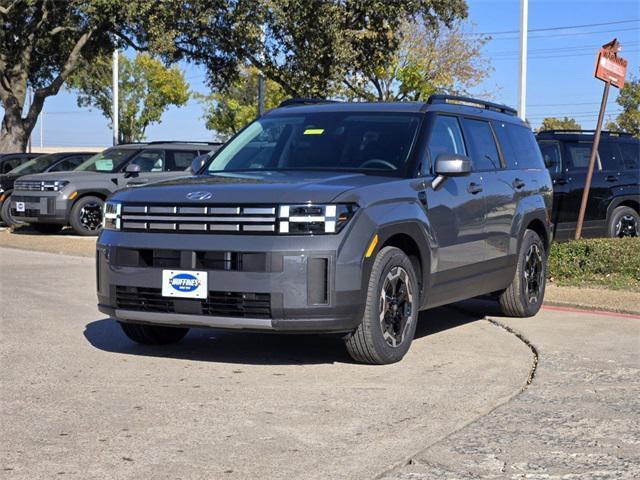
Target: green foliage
{"type": "Point", "coordinates": [43, 42]}
{"type": "Point", "coordinates": [610, 262]}
{"type": "Point", "coordinates": [147, 89]}
{"type": "Point", "coordinates": [629, 99]}
{"type": "Point", "coordinates": [430, 58]}
{"type": "Point", "coordinates": [227, 112]}
{"type": "Point", "coordinates": [553, 123]}
{"type": "Point", "coordinates": [306, 46]}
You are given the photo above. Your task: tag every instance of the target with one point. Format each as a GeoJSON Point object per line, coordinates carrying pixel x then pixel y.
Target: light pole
{"type": "Point", "coordinates": [522, 94]}
{"type": "Point", "coordinates": [114, 115]}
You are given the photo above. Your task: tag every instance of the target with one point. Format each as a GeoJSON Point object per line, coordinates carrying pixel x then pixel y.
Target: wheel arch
{"type": "Point", "coordinates": [408, 237]}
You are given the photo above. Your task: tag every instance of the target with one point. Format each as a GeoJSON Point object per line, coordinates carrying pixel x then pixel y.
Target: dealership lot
{"type": "Point", "coordinates": [81, 400]}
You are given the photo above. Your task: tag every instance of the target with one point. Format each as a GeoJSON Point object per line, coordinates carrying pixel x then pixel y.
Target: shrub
{"type": "Point", "coordinates": [611, 262]}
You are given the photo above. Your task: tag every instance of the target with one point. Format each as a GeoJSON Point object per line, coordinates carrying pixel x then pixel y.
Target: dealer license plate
{"type": "Point", "coordinates": [184, 284]}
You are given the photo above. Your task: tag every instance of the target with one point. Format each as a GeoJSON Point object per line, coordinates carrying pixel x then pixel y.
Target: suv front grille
{"type": "Point", "coordinates": [28, 185]}
{"type": "Point", "coordinates": [199, 219]}
{"type": "Point", "coordinates": [220, 304]}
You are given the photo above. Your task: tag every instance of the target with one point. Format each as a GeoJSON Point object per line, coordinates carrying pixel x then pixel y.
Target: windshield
{"type": "Point", "coordinates": [35, 165]}
{"type": "Point", "coordinates": [367, 142]}
{"type": "Point", "coordinates": [106, 161]}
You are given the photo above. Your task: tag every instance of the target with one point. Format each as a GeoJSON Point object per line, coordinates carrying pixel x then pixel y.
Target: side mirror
{"type": "Point", "coordinates": [132, 170]}
{"type": "Point", "coordinates": [450, 165]}
{"type": "Point", "coordinates": [197, 163]}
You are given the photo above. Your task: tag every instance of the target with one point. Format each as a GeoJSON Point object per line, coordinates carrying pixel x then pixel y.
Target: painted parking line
{"type": "Point", "coordinates": [592, 312]}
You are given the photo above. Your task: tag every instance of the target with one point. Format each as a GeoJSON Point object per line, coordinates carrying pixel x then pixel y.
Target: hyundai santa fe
{"type": "Point", "coordinates": [333, 217]}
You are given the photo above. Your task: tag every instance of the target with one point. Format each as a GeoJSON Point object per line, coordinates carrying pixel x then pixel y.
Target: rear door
{"type": "Point", "coordinates": [456, 210]}
{"type": "Point", "coordinates": [577, 155]}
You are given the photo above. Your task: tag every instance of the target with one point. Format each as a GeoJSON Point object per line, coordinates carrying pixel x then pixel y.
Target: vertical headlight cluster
{"type": "Point", "coordinates": [111, 220]}
{"type": "Point", "coordinates": [314, 219]}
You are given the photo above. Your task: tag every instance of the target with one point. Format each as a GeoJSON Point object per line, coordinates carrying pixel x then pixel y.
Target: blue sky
{"type": "Point", "coordinates": [560, 79]}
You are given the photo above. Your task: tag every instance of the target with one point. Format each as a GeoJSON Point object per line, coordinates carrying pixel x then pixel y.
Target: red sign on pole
{"type": "Point", "coordinates": [610, 67]}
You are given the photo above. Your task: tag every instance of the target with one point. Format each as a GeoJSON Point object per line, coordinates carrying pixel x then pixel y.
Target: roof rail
{"type": "Point", "coordinates": [156, 142]}
{"type": "Point", "coordinates": [473, 102]}
{"type": "Point", "coordinates": [587, 132]}
{"type": "Point", "coordinates": [289, 102]}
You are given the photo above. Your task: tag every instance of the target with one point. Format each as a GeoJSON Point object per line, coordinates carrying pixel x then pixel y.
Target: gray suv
{"type": "Point", "coordinates": [49, 201]}
{"type": "Point", "coordinates": [335, 217]}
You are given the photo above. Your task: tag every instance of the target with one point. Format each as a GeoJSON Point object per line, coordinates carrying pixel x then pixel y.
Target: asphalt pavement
{"type": "Point", "coordinates": [78, 399]}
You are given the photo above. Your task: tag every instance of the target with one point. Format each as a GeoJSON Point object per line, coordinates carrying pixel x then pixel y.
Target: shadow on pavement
{"type": "Point", "coordinates": [207, 345]}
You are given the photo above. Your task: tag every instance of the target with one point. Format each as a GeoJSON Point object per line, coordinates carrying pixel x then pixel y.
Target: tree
{"type": "Point", "coordinates": [429, 60]}
{"type": "Point", "coordinates": [629, 99]}
{"type": "Point", "coordinates": [306, 46]}
{"type": "Point", "coordinates": [43, 42]}
{"type": "Point", "coordinates": [553, 123]}
{"type": "Point", "coordinates": [147, 89]}
{"type": "Point", "coordinates": [227, 112]}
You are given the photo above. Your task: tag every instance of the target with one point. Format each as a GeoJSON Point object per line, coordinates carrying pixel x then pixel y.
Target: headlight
{"type": "Point", "coordinates": [111, 219]}
{"type": "Point", "coordinates": [53, 186]}
{"type": "Point", "coordinates": [314, 219]}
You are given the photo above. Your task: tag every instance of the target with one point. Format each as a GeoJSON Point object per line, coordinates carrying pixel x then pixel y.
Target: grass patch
{"type": "Point", "coordinates": [599, 262]}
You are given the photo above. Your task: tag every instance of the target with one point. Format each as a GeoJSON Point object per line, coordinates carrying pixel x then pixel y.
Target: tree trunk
{"type": "Point", "coordinates": [15, 131]}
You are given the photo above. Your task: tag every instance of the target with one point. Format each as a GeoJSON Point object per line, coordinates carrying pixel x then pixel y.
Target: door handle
{"type": "Point", "coordinates": [611, 178]}
{"type": "Point", "coordinates": [561, 181]}
{"type": "Point", "coordinates": [518, 183]}
{"type": "Point", "coordinates": [474, 188]}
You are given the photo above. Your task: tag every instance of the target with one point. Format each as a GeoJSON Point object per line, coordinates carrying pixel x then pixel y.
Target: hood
{"type": "Point", "coordinates": [72, 176]}
{"type": "Point", "coordinates": [264, 187]}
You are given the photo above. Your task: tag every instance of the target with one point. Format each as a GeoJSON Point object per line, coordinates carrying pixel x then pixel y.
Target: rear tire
{"type": "Point", "coordinates": [525, 295]}
{"type": "Point", "coordinates": [46, 228]}
{"type": "Point", "coordinates": [153, 334]}
{"type": "Point", "coordinates": [624, 222]}
{"type": "Point", "coordinates": [391, 312]}
{"type": "Point", "coordinates": [86, 216]}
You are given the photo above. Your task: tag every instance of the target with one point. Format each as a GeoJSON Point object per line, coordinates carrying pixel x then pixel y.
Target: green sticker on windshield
{"type": "Point", "coordinates": [314, 131]}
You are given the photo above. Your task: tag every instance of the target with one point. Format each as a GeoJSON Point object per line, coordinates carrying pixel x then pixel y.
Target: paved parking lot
{"type": "Point", "coordinates": [78, 399]}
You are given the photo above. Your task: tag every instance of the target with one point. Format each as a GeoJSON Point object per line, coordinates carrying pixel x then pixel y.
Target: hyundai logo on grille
{"type": "Point", "coordinates": [199, 195]}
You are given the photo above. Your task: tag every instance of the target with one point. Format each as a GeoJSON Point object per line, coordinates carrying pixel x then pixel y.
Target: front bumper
{"type": "Point", "coordinates": [292, 284]}
{"type": "Point", "coordinates": [40, 207]}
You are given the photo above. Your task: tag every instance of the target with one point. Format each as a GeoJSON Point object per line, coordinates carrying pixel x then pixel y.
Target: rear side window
{"type": "Point", "coordinates": [68, 164]}
{"type": "Point", "coordinates": [182, 159]}
{"type": "Point", "coordinates": [525, 148]}
{"type": "Point", "coordinates": [485, 151]}
{"type": "Point", "coordinates": [446, 137]}
{"type": "Point", "coordinates": [630, 155]}
{"type": "Point", "coordinates": [610, 158]}
{"type": "Point", "coordinates": [551, 156]}
{"type": "Point", "coordinates": [579, 154]}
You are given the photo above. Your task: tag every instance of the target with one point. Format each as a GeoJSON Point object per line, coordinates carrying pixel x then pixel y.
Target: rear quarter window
{"type": "Point", "coordinates": [524, 146]}
{"type": "Point", "coordinates": [631, 155]}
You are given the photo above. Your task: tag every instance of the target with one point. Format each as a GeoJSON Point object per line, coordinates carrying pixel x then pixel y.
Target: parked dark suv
{"type": "Point", "coordinates": [613, 207]}
{"type": "Point", "coordinates": [49, 201]}
{"type": "Point", "coordinates": [335, 217]}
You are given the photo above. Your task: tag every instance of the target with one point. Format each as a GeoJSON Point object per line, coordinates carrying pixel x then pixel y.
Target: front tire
{"type": "Point", "coordinates": [86, 216]}
{"type": "Point", "coordinates": [524, 297]}
{"type": "Point", "coordinates": [624, 222]}
{"type": "Point", "coordinates": [391, 313]}
{"type": "Point", "coordinates": [153, 334]}
{"type": "Point", "coordinates": [5, 213]}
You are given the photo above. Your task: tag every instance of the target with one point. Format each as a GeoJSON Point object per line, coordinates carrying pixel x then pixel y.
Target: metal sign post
{"type": "Point", "coordinates": [611, 69]}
